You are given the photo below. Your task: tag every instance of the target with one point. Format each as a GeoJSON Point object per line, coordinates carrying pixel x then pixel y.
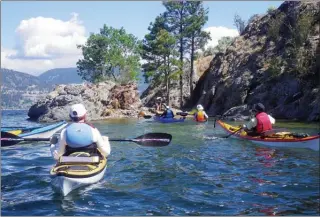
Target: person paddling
{"type": "Point", "coordinates": [79, 136]}
{"type": "Point", "coordinates": [158, 103]}
{"type": "Point", "coordinates": [200, 115]}
{"type": "Point", "coordinates": [260, 123]}
{"type": "Point", "coordinates": [168, 113]}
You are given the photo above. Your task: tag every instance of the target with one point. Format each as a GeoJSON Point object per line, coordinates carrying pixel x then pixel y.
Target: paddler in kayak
{"type": "Point", "coordinates": [79, 136]}
{"type": "Point", "coordinates": [200, 115]}
{"type": "Point", "coordinates": [158, 103]}
{"type": "Point", "coordinates": [168, 113]}
{"type": "Point", "coordinates": [260, 123]}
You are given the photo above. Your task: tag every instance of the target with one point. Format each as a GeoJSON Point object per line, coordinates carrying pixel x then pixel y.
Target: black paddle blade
{"type": "Point", "coordinates": [147, 116]}
{"type": "Point", "coordinates": [8, 139]}
{"type": "Point", "coordinates": [183, 113]}
{"type": "Point", "coordinates": [153, 139]}
{"type": "Point", "coordinates": [6, 135]}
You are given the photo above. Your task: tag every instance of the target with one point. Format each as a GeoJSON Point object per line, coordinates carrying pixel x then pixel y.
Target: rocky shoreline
{"type": "Point", "coordinates": [102, 100]}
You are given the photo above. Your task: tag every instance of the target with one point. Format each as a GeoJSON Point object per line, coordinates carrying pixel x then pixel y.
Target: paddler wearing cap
{"type": "Point", "coordinates": [80, 136]}
{"type": "Point", "coordinates": [158, 103]}
{"type": "Point", "coordinates": [168, 113]}
{"type": "Point", "coordinates": [200, 115]}
{"type": "Point", "coordinates": [261, 122]}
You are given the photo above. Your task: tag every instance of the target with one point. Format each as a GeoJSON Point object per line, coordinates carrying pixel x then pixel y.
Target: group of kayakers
{"type": "Point", "coordinates": [81, 136]}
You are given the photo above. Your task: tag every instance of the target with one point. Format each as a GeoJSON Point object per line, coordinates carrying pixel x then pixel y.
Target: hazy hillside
{"type": "Point", "coordinates": [60, 76]}
{"type": "Point", "coordinates": [14, 80]}
{"type": "Point", "coordinates": [20, 90]}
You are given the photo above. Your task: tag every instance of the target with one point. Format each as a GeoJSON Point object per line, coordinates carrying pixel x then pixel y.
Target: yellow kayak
{"type": "Point", "coordinates": [15, 132]}
{"type": "Point", "coordinates": [279, 139]}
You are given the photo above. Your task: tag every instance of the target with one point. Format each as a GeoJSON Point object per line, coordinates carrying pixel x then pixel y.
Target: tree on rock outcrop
{"type": "Point", "coordinates": [158, 50]}
{"type": "Point", "coordinates": [239, 23]}
{"type": "Point", "coordinates": [176, 15]}
{"type": "Point", "coordinates": [223, 44]}
{"type": "Point", "coordinates": [110, 54]}
{"type": "Point", "coordinates": [197, 17]}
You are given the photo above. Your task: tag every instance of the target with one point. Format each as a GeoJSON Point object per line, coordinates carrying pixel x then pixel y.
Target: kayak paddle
{"type": "Point", "coordinates": [233, 133]}
{"type": "Point", "coordinates": [149, 139]}
{"type": "Point", "coordinates": [147, 116]}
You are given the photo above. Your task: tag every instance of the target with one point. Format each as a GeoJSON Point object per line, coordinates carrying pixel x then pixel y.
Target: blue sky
{"type": "Point", "coordinates": [134, 16]}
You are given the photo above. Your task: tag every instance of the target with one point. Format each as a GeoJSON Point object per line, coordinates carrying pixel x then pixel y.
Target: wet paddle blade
{"type": "Point", "coordinates": [8, 139]}
{"type": "Point", "coordinates": [147, 116]}
{"type": "Point", "coordinates": [183, 113]}
{"type": "Point", "coordinates": [153, 139]}
{"type": "Point", "coordinates": [5, 136]}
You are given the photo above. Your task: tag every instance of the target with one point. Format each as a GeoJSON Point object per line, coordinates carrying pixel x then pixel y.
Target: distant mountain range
{"type": "Point", "coordinates": [20, 90]}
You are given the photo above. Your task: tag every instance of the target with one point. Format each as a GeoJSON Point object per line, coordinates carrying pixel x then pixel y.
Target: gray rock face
{"type": "Point", "coordinates": [243, 74]}
{"type": "Point", "coordinates": [97, 99]}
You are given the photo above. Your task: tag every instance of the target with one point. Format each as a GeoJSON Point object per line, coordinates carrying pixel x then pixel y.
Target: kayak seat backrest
{"type": "Point", "coordinates": [70, 159]}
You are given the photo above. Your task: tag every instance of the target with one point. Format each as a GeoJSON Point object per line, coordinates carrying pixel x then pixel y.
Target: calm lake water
{"type": "Point", "coordinates": [197, 174]}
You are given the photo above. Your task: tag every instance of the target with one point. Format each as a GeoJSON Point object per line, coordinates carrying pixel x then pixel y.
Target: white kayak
{"type": "Point", "coordinates": [44, 132]}
{"type": "Point", "coordinates": [77, 170]}
{"type": "Point", "coordinates": [280, 139]}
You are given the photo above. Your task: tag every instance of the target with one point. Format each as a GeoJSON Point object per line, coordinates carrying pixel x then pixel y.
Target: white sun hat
{"type": "Point", "coordinates": [77, 111]}
{"type": "Point", "coordinates": [199, 107]}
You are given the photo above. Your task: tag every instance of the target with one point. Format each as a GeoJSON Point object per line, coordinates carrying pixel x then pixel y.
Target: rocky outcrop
{"type": "Point", "coordinates": [102, 100]}
{"type": "Point", "coordinates": [274, 71]}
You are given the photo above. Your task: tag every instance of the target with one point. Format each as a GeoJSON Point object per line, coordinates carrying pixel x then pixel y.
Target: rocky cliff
{"type": "Point", "coordinates": [274, 61]}
{"type": "Point", "coordinates": [102, 100]}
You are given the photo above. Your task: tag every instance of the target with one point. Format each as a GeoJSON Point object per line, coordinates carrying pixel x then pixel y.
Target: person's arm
{"type": "Point", "coordinates": [102, 142]}
{"type": "Point", "coordinates": [57, 150]}
{"type": "Point", "coordinates": [272, 120]}
{"type": "Point", "coordinates": [205, 114]}
{"type": "Point", "coordinates": [251, 124]}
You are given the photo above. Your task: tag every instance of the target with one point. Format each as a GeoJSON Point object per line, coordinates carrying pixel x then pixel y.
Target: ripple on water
{"type": "Point", "coordinates": [194, 175]}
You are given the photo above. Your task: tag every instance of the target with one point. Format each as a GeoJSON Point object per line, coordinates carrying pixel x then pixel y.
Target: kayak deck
{"type": "Point", "coordinates": [77, 170]}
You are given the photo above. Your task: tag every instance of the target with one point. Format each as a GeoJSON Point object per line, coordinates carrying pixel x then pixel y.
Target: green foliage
{"type": "Point", "coordinates": [197, 38]}
{"type": "Point", "coordinates": [239, 23]}
{"type": "Point", "coordinates": [149, 48]}
{"type": "Point", "coordinates": [223, 44]}
{"type": "Point", "coordinates": [302, 30]}
{"type": "Point", "coordinates": [271, 9]}
{"type": "Point", "coordinates": [300, 56]}
{"type": "Point", "coordinates": [274, 67]}
{"type": "Point", "coordinates": [111, 54]}
{"type": "Point", "coordinates": [275, 25]}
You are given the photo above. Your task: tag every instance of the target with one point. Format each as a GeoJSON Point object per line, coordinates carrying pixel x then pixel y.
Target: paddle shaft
{"type": "Point", "coordinates": [233, 133]}
{"type": "Point", "coordinates": [149, 139]}
{"type": "Point", "coordinates": [26, 139]}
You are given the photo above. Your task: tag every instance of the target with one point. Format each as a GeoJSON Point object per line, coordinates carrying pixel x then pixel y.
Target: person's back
{"type": "Point", "coordinates": [80, 136]}
{"type": "Point", "coordinates": [260, 123]}
{"type": "Point", "coordinates": [168, 113]}
{"type": "Point", "coordinates": [200, 115]}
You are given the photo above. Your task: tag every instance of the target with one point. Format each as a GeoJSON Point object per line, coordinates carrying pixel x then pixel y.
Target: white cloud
{"type": "Point", "coordinates": [219, 32]}
{"type": "Point", "coordinates": [45, 43]}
